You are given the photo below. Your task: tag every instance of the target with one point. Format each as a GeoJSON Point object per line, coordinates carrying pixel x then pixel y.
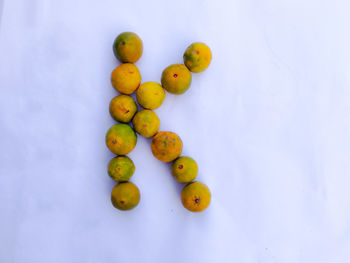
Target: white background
{"type": "Point", "coordinates": [268, 123]}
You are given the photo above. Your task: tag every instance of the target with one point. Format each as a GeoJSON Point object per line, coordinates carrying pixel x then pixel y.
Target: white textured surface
{"type": "Point", "coordinates": [268, 123]}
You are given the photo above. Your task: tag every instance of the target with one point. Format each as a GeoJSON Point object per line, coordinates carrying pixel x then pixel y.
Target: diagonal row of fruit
{"type": "Point", "coordinates": [166, 146]}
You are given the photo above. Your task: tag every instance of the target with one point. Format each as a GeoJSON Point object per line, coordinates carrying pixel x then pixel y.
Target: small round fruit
{"type": "Point", "coordinates": [146, 123]}
{"type": "Point", "coordinates": [121, 168]}
{"type": "Point", "coordinates": [166, 146]}
{"type": "Point", "coordinates": [127, 47]}
{"type": "Point", "coordinates": [125, 196]}
{"type": "Point", "coordinates": [195, 196]}
{"type": "Point", "coordinates": [197, 57]}
{"type": "Point", "coordinates": [126, 78]}
{"type": "Point", "coordinates": [150, 95]}
{"type": "Point", "coordinates": [122, 108]}
{"type": "Point", "coordinates": [121, 139]}
{"type": "Point", "coordinates": [184, 169]}
{"type": "Point", "coordinates": [176, 78]}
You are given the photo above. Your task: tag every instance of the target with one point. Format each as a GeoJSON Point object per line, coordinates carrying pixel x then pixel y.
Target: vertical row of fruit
{"type": "Point", "coordinates": [166, 146]}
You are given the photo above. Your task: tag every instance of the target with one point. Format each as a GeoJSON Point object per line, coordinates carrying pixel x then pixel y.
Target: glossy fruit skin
{"type": "Point", "coordinates": [128, 47]}
{"type": "Point", "coordinates": [122, 108]}
{"type": "Point", "coordinates": [125, 196]}
{"type": "Point", "coordinates": [166, 146]}
{"type": "Point", "coordinates": [126, 78]}
{"type": "Point", "coordinates": [197, 57]}
{"type": "Point", "coordinates": [184, 169]}
{"type": "Point", "coordinates": [176, 78]}
{"type": "Point", "coordinates": [121, 168]}
{"type": "Point", "coordinates": [150, 95]}
{"type": "Point", "coordinates": [121, 139]}
{"type": "Point", "coordinates": [146, 123]}
{"type": "Point", "coordinates": [195, 196]}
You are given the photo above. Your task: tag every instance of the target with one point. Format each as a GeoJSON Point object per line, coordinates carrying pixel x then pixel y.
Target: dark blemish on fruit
{"type": "Point", "coordinates": [127, 111]}
{"type": "Point", "coordinates": [123, 43]}
{"type": "Point", "coordinates": [197, 200]}
{"type": "Point", "coordinates": [181, 166]}
{"type": "Point", "coordinates": [114, 141]}
{"type": "Point", "coordinates": [175, 75]}
{"type": "Point", "coordinates": [122, 201]}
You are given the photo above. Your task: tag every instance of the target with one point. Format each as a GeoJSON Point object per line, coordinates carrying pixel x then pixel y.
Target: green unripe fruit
{"type": "Point", "coordinates": [184, 169]}
{"type": "Point", "coordinates": [121, 168]}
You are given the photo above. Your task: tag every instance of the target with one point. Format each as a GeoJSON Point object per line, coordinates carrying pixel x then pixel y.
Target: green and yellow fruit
{"type": "Point", "coordinates": [121, 168]}
{"type": "Point", "coordinates": [195, 196]}
{"type": "Point", "coordinates": [121, 139]}
{"type": "Point", "coordinates": [197, 57]}
{"type": "Point", "coordinates": [128, 47]}
{"type": "Point", "coordinates": [125, 196]}
{"type": "Point", "coordinates": [176, 78]}
{"type": "Point", "coordinates": [184, 169]}
{"type": "Point", "coordinates": [126, 78]}
{"type": "Point", "coordinates": [122, 108]}
{"type": "Point", "coordinates": [150, 95]}
{"type": "Point", "coordinates": [166, 146]}
{"type": "Point", "coordinates": [146, 123]}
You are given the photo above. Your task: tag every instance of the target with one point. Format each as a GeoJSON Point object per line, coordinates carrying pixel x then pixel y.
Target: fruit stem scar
{"type": "Point", "coordinates": [181, 166]}
{"type": "Point", "coordinates": [123, 43]}
{"type": "Point", "coordinates": [197, 200]}
{"type": "Point", "coordinates": [175, 75]}
{"type": "Point", "coordinates": [114, 141]}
